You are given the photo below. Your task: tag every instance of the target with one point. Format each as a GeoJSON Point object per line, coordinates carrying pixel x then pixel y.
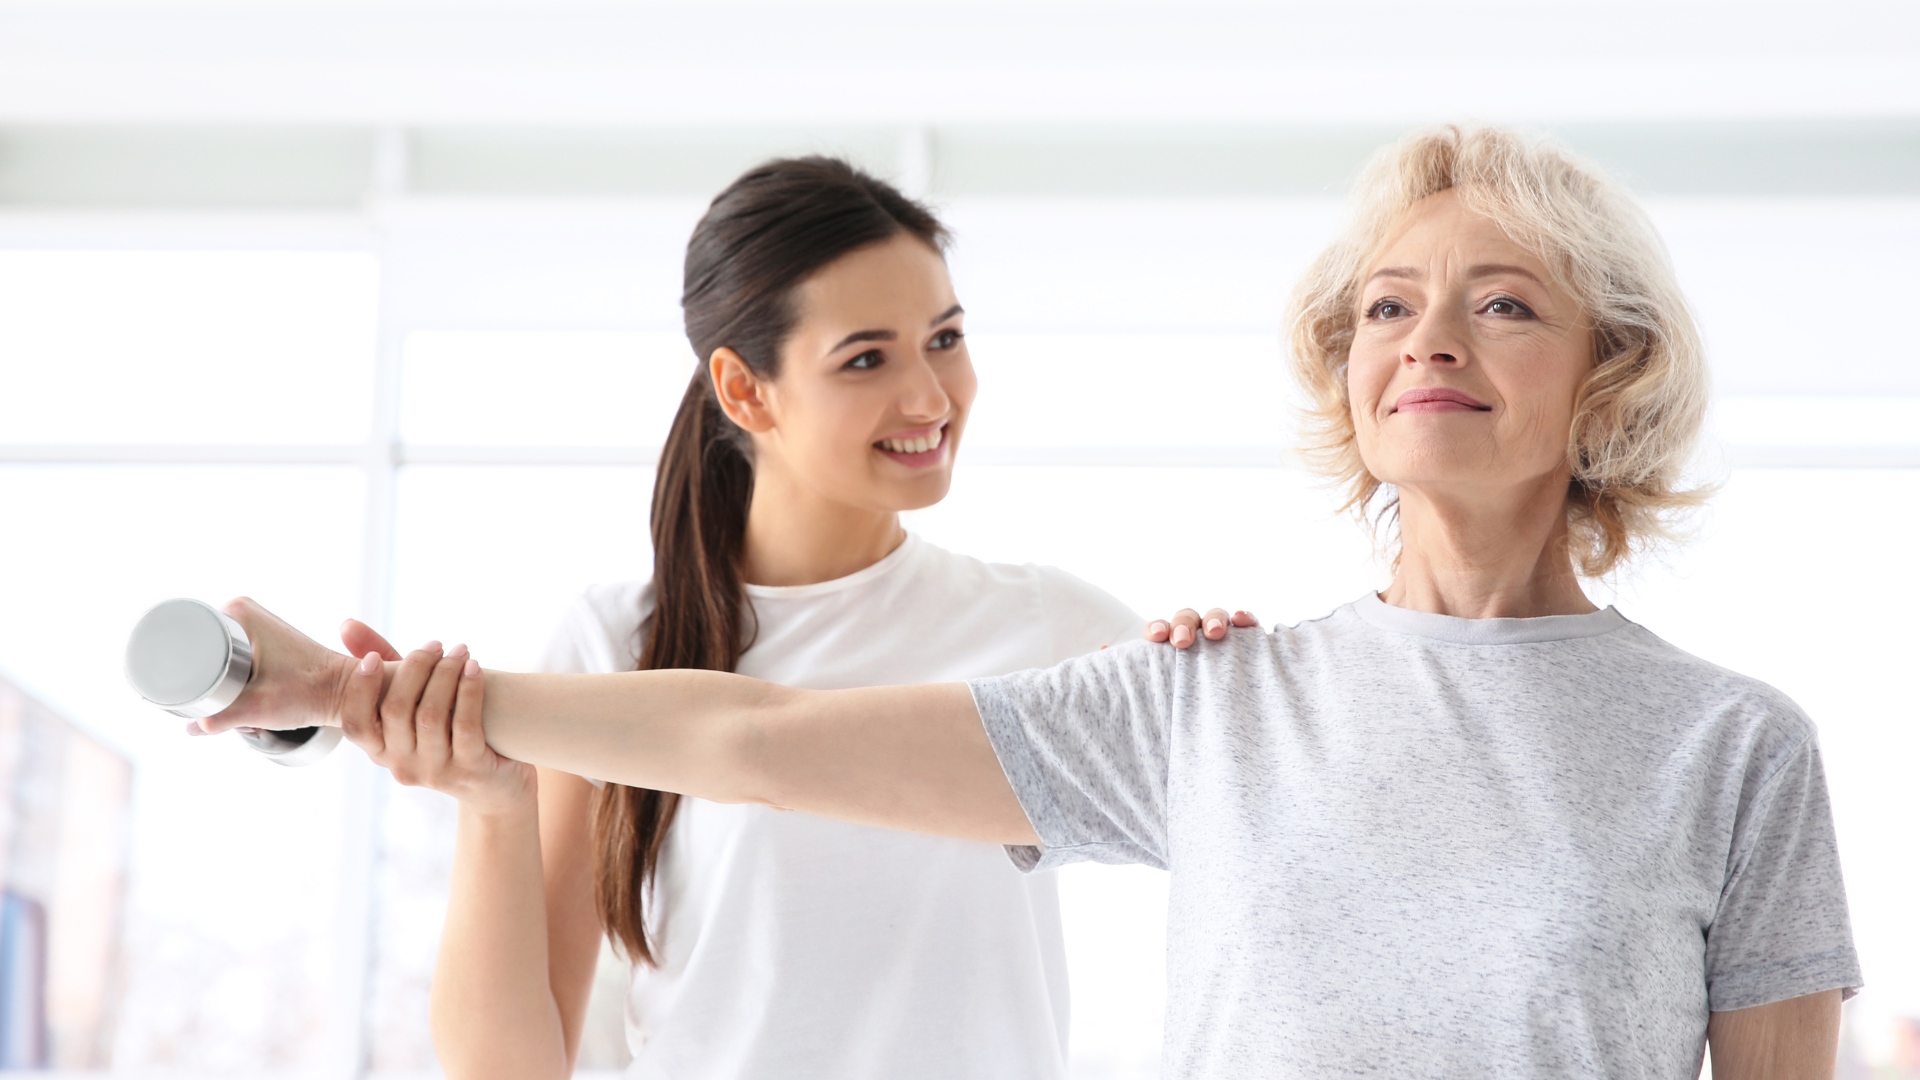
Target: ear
{"type": "Point", "coordinates": [742, 394]}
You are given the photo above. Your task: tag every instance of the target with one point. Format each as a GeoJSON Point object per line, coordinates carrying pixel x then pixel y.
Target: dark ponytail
{"type": "Point", "coordinates": [768, 232]}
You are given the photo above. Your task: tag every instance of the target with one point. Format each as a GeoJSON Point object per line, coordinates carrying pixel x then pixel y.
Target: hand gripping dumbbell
{"type": "Point", "coordinates": [192, 660]}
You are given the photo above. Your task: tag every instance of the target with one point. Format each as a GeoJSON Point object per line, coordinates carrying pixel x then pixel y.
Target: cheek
{"type": "Point", "coordinates": [962, 385]}
{"type": "Point", "coordinates": [1367, 379]}
{"type": "Point", "coordinates": [826, 426]}
{"type": "Point", "coordinates": [1541, 392]}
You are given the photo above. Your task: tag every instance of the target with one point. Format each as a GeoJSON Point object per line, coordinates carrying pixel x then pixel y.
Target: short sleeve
{"type": "Point", "coordinates": [1084, 745]}
{"type": "Point", "coordinates": [600, 631]}
{"type": "Point", "coordinates": [1082, 617]}
{"type": "Point", "coordinates": [568, 651]}
{"type": "Point", "coordinates": [1781, 930]}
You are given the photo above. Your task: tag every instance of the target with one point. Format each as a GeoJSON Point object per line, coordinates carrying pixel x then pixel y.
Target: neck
{"type": "Point", "coordinates": [1481, 558]}
{"type": "Point", "coordinates": [796, 537]}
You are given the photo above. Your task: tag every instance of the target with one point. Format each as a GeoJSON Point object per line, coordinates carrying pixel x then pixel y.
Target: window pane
{"type": "Point", "coordinates": [186, 347]}
{"type": "Point", "coordinates": [491, 556]}
{"type": "Point", "coordinates": [1816, 421]}
{"type": "Point", "coordinates": [1761, 275]}
{"type": "Point", "coordinates": [233, 868]}
{"type": "Point", "coordinates": [537, 389]}
{"type": "Point", "coordinates": [1059, 390]}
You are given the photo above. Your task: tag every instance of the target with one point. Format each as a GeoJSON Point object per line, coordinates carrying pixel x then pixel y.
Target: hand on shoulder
{"type": "Point", "coordinates": [1188, 626]}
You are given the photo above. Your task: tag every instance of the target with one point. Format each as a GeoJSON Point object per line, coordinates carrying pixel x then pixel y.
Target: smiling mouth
{"type": "Point", "coordinates": [918, 450]}
{"type": "Point", "coordinates": [1438, 400]}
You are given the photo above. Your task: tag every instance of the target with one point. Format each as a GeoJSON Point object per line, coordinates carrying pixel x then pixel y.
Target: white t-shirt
{"type": "Point", "coordinates": [1410, 845]}
{"type": "Point", "coordinates": [793, 946]}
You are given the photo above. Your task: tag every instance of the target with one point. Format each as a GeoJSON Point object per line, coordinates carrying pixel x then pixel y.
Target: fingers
{"type": "Point", "coordinates": [360, 639]}
{"type": "Point", "coordinates": [433, 718]}
{"type": "Point", "coordinates": [1188, 626]}
{"type": "Point", "coordinates": [1185, 622]}
{"type": "Point", "coordinates": [403, 697]}
{"type": "Point", "coordinates": [360, 708]}
{"type": "Point", "coordinates": [469, 734]}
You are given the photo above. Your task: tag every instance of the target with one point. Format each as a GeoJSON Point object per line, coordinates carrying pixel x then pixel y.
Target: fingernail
{"type": "Point", "coordinates": [370, 663]}
{"type": "Point", "coordinates": [1156, 627]}
{"type": "Point", "coordinates": [1182, 636]}
{"type": "Point", "coordinates": [456, 652]}
{"type": "Point", "coordinates": [194, 728]}
{"type": "Point", "coordinates": [472, 670]}
{"type": "Point", "coordinates": [1215, 626]}
{"type": "Point", "coordinates": [431, 646]}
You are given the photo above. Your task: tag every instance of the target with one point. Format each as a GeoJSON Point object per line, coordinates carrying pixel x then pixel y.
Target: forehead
{"type": "Point", "coordinates": [1440, 232]}
{"type": "Point", "coordinates": [877, 285]}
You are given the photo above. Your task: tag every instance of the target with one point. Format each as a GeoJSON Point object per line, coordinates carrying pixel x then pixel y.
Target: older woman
{"type": "Point", "coordinates": [1471, 826]}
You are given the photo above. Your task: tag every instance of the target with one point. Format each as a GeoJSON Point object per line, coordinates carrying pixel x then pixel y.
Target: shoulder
{"type": "Point", "coordinates": [600, 629]}
{"type": "Point", "coordinates": [1752, 717]}
{"type": "Point", "coordinates": [1078, 617]}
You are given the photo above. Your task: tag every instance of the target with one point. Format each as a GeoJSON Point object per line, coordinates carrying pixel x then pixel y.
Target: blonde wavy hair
{"type": "Point", "coordinates": [1636, 417]}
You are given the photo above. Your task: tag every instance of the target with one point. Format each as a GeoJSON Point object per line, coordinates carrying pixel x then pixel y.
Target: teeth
{"type": "Point", "coordinates": [914, 446]}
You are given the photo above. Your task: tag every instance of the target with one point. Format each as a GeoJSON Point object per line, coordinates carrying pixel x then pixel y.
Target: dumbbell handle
{"type": "Point", "coordinates": [193, 660]}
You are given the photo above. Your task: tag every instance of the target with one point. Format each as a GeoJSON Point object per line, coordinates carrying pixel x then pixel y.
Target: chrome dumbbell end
{"type": "Point", "coordinates": [300, 746]}
{"type": "Point", "coordinates": [191, 659]}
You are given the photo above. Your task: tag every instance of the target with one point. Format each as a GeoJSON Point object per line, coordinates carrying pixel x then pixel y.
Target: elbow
{"type": "Point", "coordinates": [749, 750]}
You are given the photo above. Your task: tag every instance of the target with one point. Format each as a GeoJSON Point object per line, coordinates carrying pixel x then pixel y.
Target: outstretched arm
{"type": "Point", "coordinates": [900, 757]}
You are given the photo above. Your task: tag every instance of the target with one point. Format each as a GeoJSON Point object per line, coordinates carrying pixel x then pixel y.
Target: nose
{"type": "Point", "coordinates": [1436, 339]}
{"type": "Point", "coordinates": [922, 396]}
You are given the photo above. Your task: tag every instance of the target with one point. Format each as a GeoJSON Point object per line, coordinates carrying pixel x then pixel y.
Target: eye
{"type": "Point", "coordinates": [1386, 309]}
{"type": "Point", "coordinates": [1508, 306]}
{"type": "Point", "coordinates": [946, 339]}
{"type": "Point", "coordinates": [866, 361]}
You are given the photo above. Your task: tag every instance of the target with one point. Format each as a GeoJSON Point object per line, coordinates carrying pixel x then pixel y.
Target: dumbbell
{"type": "Point", "coordinates": [192, 660]}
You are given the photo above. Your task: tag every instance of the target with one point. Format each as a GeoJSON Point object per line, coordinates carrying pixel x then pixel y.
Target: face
{"type": "Point", "coordinates": [1466, 358]}
{"type": "Point", "coordinates": [874, 384]}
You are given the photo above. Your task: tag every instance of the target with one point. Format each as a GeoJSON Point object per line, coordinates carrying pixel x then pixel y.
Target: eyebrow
{"type": "Point", "coordinates": [863, 335]}
{"type": "Point", "coordinates": [1483, 270]}
{"type": "Point", "coordinates": [887, 335]}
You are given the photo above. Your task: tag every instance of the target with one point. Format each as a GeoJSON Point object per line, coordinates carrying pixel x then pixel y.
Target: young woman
{"type": "Point", "coordinates": [833, 392]}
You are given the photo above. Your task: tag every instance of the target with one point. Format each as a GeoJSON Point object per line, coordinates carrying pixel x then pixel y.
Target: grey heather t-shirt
{"type": "Point", "coordinates": [1405, 844]}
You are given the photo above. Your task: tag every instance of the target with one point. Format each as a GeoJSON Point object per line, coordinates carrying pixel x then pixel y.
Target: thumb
{"type": "Point", "coordinates": [361, 639]}
{"type": "Point", "coordinates": [360, 708]}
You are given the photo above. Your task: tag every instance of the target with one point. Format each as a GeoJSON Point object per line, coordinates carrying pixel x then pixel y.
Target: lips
{"type": "Point", "coordinates": [1439, 399]}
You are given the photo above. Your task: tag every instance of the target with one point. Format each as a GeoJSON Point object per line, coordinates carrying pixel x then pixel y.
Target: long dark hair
{"type": "Point", "coordinates": [763, 236]}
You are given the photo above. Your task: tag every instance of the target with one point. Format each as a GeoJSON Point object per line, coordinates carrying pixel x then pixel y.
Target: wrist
{"type": "Point", "coordinates": [337, 676]}
{"type": "Point", "coordinates": [502, 807]}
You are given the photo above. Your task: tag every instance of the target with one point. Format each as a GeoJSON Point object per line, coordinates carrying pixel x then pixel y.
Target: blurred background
{"type": "Point", "coordinates": [371, 309]}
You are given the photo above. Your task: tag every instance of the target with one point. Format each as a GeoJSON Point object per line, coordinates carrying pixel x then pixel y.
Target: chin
{"type": "Point", "coordinates": [922, 495]}
{"type": "Point", "coordinates": [1444, 463]}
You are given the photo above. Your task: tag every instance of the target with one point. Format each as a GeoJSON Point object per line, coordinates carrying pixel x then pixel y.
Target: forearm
{"type": "Point", "coordinates": [493, 1009]}
{"type": "Point", "coordinates": [684, 731]}
{"type": "Point", "coordinates": [901, 757]}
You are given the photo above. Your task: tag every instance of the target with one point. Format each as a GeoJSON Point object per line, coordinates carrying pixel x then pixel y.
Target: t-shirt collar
{"type": "Point", "coordinates": [1399, 620]}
